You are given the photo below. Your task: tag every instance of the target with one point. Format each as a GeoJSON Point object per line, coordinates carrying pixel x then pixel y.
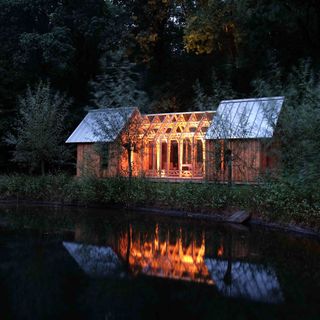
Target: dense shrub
{"type": "Point", "coordinates": [282, 200]}
{"type": "Point", "coordinates": [288, 201]}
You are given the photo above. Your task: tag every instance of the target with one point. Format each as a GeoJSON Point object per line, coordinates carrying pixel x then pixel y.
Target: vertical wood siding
{"type": "Point", "coordinates": [250, 159]}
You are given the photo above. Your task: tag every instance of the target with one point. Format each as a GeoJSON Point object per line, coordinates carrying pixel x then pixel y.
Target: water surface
{"type": "Point", "coordinates": [109, 264]}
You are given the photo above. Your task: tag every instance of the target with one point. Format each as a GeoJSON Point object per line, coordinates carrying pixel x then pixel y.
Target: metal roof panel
{"type": "Point", "coordinates": [101, 125]}
{"type": "Point", "coordinates": [245, 118]}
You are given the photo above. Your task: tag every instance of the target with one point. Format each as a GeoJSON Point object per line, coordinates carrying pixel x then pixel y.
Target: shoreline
{"type": "Point", "coordinates": [218, 217]}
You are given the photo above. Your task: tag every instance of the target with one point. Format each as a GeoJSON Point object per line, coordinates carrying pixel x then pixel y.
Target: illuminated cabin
{"type": "Point", "coordinates": [234, 143]}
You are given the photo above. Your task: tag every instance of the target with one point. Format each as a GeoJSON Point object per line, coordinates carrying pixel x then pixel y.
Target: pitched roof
{"type": "Point", "coordinates": [101, 125]}
{"type": "Point", "coordinates": [245, 118]}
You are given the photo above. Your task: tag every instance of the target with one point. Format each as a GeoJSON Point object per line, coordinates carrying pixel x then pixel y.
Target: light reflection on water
{"type": "Point", "coordinates": [87, 264]}
{"type": "Point", "coordinates": [175, 254]}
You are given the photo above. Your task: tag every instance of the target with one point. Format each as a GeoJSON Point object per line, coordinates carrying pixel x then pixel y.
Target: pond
{"type": "Point", "coordinates": [71, 263]}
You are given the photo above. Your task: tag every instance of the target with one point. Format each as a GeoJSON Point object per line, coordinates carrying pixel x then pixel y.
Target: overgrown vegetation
{"type": "Point", "coordinates": [283, 202]}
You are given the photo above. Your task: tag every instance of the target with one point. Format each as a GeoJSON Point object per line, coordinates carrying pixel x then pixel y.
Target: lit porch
{"type": "Point", "coordinates": [175, 145]}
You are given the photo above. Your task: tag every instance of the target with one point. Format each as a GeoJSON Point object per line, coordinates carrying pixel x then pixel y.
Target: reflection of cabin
{"type": "Point", "coordinates": [165, 256]}
{"type": "Point", "coordinates": [232, 143]}
{"type": "Point", "coordinates": [228, 261]}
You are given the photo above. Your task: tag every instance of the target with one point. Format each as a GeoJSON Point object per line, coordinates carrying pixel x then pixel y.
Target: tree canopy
{"type": "Point", "coordinates": [171, 48]}
{"type": "Point", "coordinates": [37, 136]}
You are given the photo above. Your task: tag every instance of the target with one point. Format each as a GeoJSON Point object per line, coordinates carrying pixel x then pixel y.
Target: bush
{"type": "Point", "coordinates": [282, 200]}
{"type": "Point", "coordinates": [288, 201]}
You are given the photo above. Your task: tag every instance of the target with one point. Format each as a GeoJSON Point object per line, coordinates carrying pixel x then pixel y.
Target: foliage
{"type": "Point", "coordinates": [65, 40]}
{"type": "Point", "coordinates": [299, 127]}
{"type": "Point", "coordinates": [285, 200]}
{"type": "Point", "coordinates": [219, 91]}
{"type": "Point", "coordinates": [149, 21]}
{"type": "Point", "coordinates": [211, 28]}
{"type": "Point", "coordinates": [52, 39]}
{"type": "Point", "coordinates": [201, 100]}
{"type": "Point", "coordinates": [168, 46]}
{"type": "Point", "coordinates": [38, 134]}
{"type": "Point", "coordinates": [281, 201]}
{"type": "Point", "coordinates": [118, 86]}
{"type": "Point", "coordinates": [57, 40]}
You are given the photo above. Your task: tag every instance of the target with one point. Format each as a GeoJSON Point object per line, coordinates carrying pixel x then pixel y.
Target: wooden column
{"type": "Point", "coordinates": [204, 157]}
{"type": "Point", "coordinates": [158, 145]}
{"type": "Point", "coordinates": [143, 168]}
{"type": "Point", "coordinates": [193, 158]}
{"type": "Point", "coordinates": [154, 162]}
{"type": "Point", "coordinates": [168, 156]}
{"type": "Point", "coordinates": [180, 154]}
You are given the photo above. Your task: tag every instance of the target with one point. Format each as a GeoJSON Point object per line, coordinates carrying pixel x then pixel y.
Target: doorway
{"type": "Point", "coordinates": [174, 159]}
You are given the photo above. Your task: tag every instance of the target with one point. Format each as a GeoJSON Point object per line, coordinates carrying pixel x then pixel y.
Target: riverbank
{"type": "Point", "coordinates": [215, 217]}
{"type": "Point", "coordinates": [271, 203]}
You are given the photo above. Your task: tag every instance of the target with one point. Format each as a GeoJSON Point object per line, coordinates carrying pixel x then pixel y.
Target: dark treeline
{"type": "Point", "coordinates": [178, 54]}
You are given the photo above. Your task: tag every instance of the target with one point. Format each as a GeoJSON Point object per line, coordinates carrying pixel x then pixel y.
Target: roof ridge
{"type": "Point", "coordinates": [254, 99]}
{"type": "Point", "coordinates": [180, 112]}
{"type": "Point", "coordinates": [113, 109]}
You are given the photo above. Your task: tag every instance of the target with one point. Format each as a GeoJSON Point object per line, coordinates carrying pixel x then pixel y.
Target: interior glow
{"type": "Point", "coordinates": [179, 138]}
{"type": "Point", "coordinates": [166, 256]}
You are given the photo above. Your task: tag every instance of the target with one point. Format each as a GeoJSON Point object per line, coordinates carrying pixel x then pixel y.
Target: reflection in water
{"type": "Point", "coordinates": [250, 281]}
{"type": "Point", "coordinates": [50, 260]}
{"type": "Point", "coordinates": [176, 254]}
{"type": "Point", "coordinates": [94, 261]}
{"type": "Point", "coordinates": [165, 256]}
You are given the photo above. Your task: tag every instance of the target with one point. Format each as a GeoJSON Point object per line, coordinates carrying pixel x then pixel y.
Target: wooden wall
{"type": "Point", "coordinates": [250, 159]}
{"type": "Point", "coordinates": [89, 161]}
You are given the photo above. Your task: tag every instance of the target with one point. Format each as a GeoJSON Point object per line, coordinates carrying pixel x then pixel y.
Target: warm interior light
{"type": "Point", "coordinates": [166, 257]}
{"type": "Point", "coordinates": [178, 137]}
{"type": "Point", "coordinates": [220, 251]}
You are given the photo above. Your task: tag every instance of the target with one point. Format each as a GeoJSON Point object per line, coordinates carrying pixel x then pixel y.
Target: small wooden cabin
{"type": "Point", "coordinates": [241, 146]}
{"type": "Point", "coordinates": [234, 143]}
